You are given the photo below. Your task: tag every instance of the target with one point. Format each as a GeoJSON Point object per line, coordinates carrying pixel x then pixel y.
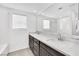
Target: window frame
{"type": "Point", "coordinates": [19, 15]}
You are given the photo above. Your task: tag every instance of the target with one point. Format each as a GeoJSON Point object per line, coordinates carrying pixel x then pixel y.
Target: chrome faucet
{"type": "Point", "coordinates": [59, 36]}
{"type": "Point", "coordinates": [38, 32]}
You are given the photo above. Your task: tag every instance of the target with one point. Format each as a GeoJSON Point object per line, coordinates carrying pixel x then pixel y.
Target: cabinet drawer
{"type": "Point", "coordinates": [35, 52]}
{"type": "Point", "coordinates": [43, 52]}
{"type": "Point", "coordinates": [35, 40]}
{"type": "Point", "coordinates": [36, 47]}
{"type": "Point", "coordinates": [51, 50]}
{"type": "Point", "coordinates": [30, 37]}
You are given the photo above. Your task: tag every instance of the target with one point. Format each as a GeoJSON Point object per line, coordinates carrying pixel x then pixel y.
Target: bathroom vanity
{"type": "Point", "coordinates": [41, 49]}
{"type": "Point", "coordinates": [49, 45]}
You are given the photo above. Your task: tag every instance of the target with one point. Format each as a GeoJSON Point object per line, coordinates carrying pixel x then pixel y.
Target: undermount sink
{"type": "Point", "coordinates": [53, 39]}
{"type": "Point", "coordinates": [74, 38]}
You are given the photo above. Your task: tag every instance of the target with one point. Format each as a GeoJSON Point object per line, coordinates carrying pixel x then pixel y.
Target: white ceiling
{"type": "Point", "coordinates": [29, 7]}
{"type": "Point", "coordinates": [44, 8]}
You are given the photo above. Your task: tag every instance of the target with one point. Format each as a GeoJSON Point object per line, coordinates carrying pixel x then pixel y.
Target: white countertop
{"type": "Point", "coordinates": [66, 47]}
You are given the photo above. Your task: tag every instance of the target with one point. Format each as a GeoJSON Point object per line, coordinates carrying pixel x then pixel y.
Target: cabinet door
{"type": "Point", "coordinates": [35, 40]}
{"type": "Point", "coordinates": [51, 51]}
{"type": "Point", "coordinates": [43, 52]}
{"type": "Point", "coordinates": [31, 42]}
{"type": "Point", "coordinates": [36, 49]}
{"type": "Point", "coordinates": [49, 54]}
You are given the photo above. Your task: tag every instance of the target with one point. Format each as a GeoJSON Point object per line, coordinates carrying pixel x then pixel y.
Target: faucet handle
{"type": "Point", "coordinates": [59, 36]}
{"type": "Point", "coordinates": [38, 32]}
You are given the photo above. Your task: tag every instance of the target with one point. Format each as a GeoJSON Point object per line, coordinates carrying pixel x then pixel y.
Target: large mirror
{"type": "Point", "coordinates": [49, 26]}
{"type": "Point", "coordinates": [65, 26]}
{"type": "Point", "coordinates": [75, 21]}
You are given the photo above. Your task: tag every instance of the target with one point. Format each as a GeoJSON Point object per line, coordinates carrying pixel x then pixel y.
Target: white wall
{"type": "Point", "coordinates": [17, 39]}
{"type": "Point", "coordinates": [3, 26]}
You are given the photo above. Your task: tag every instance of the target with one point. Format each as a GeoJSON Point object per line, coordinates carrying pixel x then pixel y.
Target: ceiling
{"type": "Point", "coordinates": [41, 8]}
{"type": "Point", "coordinates": [29, 7]}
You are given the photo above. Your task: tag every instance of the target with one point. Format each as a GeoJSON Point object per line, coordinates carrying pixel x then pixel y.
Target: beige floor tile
{"type": "Point", "coordinates": [22, 52]}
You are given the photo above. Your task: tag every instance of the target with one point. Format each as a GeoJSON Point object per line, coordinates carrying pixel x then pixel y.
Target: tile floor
{"type": "Point", "coordinates": [23, 52]}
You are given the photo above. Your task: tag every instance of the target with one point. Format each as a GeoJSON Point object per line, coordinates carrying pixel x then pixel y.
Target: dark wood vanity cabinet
{"type": "Point", "coordinates": [34, 45]}
{"type": "Point", "coordinates": [31, 42]}
{"type": "Point", "coordinates": [41, 49]}
{"type": "Point", "coordinates": [43, 52]}
{"type": "Point", "coordinates": [50, 51]}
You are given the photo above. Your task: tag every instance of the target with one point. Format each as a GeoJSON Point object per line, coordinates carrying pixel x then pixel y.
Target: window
{"type": "Point", "coordinates": [46, 24]}
{"type": "Point", "coordinates": [18, 21]}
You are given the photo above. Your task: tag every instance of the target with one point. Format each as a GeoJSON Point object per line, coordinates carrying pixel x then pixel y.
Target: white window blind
{"type": "Point", "coordinates": [19, 21]}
